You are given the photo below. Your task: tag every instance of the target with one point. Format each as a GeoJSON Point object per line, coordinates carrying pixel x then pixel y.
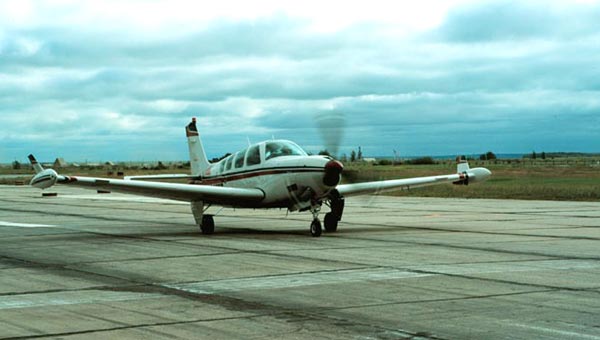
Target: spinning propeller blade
{"type": "Point", "coordinates": [331, 127]}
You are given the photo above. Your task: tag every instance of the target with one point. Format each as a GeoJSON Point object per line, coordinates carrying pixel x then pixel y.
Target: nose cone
{"type": "Point", "coordinates": [333, 171]}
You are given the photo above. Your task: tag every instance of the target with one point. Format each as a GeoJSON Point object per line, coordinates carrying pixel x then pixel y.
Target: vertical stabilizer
{"type": "Point", "coordinates": [198, 159]}
{"type": "Point", "coordinates": [36, 166]}
{"type": "Point", "coordinates": [462, 167]}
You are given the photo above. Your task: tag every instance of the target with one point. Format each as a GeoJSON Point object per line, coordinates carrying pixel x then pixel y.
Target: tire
{"type": "Point", "coordinates": [315, 228]}
{"type": "Point", "coordinates": [208, 225]}
{"type": "Point", "coordinates": [331, 223]}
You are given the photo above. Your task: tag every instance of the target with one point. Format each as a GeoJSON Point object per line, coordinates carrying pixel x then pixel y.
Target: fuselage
{"type": "Point", "coordinates": [287, 175]}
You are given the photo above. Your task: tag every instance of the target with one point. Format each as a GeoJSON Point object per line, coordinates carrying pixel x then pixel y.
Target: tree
{"type": "Point", "coordinates": [161, 166]}
{"type": "Point", "coordinates": [533, 155]}
{"type": "Point", "coordinates": [218, 159]}
{"type": "Point", "coordinates": [543, 155]}
{"type": "Point", "coordinates": [16, 165]}
{"type": "Point", "coordinates": [487, 156]}
{"type": "Point", "coordinates": [359, 156]}
{"type": "Point", "coordinates": [353, 156]}
{"type": "Point", "coordinates": [422, 160]}
{"type": "Point", "coordinates": [324, 153]}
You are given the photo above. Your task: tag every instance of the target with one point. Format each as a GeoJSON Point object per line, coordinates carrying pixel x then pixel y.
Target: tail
{"type": "Point", "coordinates": [198, 159]}
{"type": "Point", "coordinates": [36, 166]}
{"type": "Point", "coordinates": [44, 178]}
{"type": "Point", "coordinates": [470, 175]}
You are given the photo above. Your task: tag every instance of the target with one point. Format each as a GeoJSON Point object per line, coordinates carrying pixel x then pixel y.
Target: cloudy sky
{"type": "Point", "coordinates": [117, 80]}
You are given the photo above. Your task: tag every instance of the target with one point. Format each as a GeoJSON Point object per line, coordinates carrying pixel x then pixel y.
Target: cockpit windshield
{"type": "Point", "coordinates": [282, 148]}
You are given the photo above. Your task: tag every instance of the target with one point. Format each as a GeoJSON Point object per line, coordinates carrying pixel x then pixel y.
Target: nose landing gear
{"type": "Point", "coordinates": [315, 226]}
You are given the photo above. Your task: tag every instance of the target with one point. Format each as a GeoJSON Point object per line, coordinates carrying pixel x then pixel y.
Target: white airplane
{"type": "Point", "coordinates": [270, 174]}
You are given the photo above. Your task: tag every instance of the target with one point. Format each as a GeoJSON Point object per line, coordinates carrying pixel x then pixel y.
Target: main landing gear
{"type": "Point", "coordinates": [208, 225]}
{"type": "Point", "coordinates": [205, 222]}
{"type": "Point", "coordinates": [331, 222]}
{"type": "Point", "coordinates": [331, 218]}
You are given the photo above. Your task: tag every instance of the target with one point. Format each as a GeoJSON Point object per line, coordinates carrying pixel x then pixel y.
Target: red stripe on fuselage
{"type": "Point", "coordinates": [236, 177]}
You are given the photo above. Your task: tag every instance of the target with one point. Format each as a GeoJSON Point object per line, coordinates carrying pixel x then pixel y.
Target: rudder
{"type": "Point", "coordinates": [198, 160]}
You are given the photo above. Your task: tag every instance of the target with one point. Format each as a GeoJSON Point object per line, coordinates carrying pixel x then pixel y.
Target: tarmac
{"type": "Point", "coordinates": [87, 265]}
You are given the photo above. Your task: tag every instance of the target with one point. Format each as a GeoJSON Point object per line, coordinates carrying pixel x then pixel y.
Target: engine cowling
{"type": "Point", "coordinates": [44, 179]}
{"type": "Point", "coordinates": [333, 172]}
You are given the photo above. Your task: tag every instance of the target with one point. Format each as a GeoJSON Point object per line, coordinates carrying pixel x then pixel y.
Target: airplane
{"type": "Point", "coordinates": [269, 174]}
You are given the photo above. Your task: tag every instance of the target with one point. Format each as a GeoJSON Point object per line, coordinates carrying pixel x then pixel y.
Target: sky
{"type": "Point", "coordinates": [119, 80]}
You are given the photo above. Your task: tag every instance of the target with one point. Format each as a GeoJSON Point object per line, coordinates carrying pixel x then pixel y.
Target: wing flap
{"type": "Point", "coordinates": [160, 177]}
{"type": "Point", "coordinates": [176, 191]}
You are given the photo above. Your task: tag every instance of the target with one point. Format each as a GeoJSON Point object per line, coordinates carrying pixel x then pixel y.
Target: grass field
{"type": "Point", "coordinates": [570, 179]}
{"type": "Point", "coordinates": [574, 180]}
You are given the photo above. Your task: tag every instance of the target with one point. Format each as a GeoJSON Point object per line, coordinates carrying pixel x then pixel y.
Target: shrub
{"type": "Point", "coordinates": [422, 161]}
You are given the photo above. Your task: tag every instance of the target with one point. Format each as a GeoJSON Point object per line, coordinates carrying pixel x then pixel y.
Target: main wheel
{"type": "Point", "coordinates": [331, 223]}
{"type": "Point", "coordinates": [208, 225]}
{"type": "Point", "coordinates": [315, 228]}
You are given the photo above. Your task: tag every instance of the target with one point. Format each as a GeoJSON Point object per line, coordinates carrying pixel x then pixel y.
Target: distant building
{"type": "Point", "coordinates": [369, 160]}
{"type": "Point", "coordinates": [59, 163]}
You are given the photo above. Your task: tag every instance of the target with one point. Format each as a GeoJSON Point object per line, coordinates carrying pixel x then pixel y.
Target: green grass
{"type": "Point", "coordinates": [538, 181]}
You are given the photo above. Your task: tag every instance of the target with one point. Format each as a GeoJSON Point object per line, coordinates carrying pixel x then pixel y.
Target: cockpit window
{"type": "Point", "coordinates": [253, 156]}
{"type": "Point", "coordinates": [282, 148]}
{"type": "Point", "coordinates": [229, 162]}
{"type": "Point", "coordinates": [239, 159]}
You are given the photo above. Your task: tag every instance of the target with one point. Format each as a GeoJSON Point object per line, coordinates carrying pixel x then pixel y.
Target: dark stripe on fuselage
{"type": "Point", "coordinates": [42, 179]}
{"type": "Point", "coordinates": [216, 180]}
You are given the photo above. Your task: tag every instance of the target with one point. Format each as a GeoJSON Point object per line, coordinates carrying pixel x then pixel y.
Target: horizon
{"type": "Point", "coordinates": [500, 156]}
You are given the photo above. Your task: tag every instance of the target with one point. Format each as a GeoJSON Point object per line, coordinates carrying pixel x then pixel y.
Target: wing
{"type": "Point", "coordinates": [237, 197]}
{"type": "Point", "coordinates": [176, 191]}
{"type": "Point", "coordinates": [465, 176]}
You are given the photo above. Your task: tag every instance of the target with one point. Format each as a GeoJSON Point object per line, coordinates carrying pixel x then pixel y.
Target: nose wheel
{"type": "Point", "coordinates": [315, 226]}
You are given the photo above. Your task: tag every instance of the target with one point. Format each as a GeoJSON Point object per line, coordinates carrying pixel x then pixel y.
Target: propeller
{"type": "Point", "coordinates": [331, 126]}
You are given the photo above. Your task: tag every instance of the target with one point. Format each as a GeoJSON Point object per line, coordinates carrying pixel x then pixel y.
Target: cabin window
{"type": "Point", "coordinates": [239, 159]}
{"type": "Point", "coordinates": [222, 167]}
{"type": "Point", "coordinates": [253, 156]}
{"type": "Point", "coordinates": [229, 163]}
{"type": "Point", "coordinates": [278, 149]}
